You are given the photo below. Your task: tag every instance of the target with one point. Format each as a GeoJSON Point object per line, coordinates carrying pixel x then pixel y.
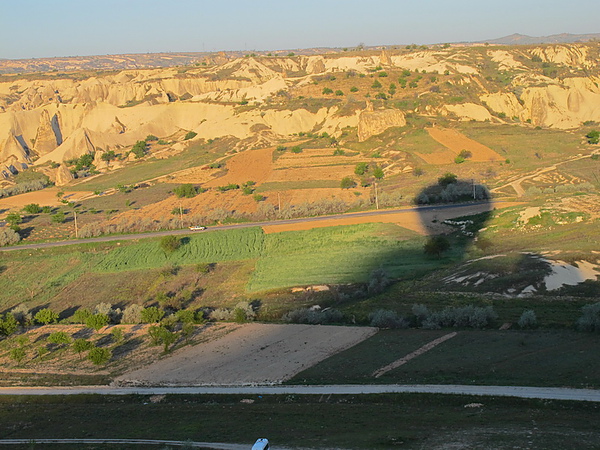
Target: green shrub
{"type": "Point", "coordinates": [17, 354]}
{"type": "Point", "coordinates": [99, 356]}
{"type": "Point", "coordinates": [190, 135]}
{"type": "Point", "coordinates": [139, 149]}
{"type": "Point", "coordinates": [376, 84]}
{"type": "Point", "coordinates": [32, 208]}
{"type": "Point", "coordinates": [97, 321]}
{"type": "Point", "coordinates": [151, 138]}
{"type": "Point", "coordinates": [170, 243]}
{"type": "Point", "coordinates": [347, 183]}
{"type": "Point", "coordinates": [80, 316]}
{"type": "Point", "coordinates": [314, 316]}
{"type": "Point", "coordinates": [296, 149]}
{"type": "Point", "coordinates": [46, 316]}
{"type": "Point", "coordinates": [460, 317]}
{"type": "Point", "coordinates": [327, 91]}
{"type": "Point", "coordinates": [353, 89]}
{"type": "Point", "coordinates": [590, 318]}
{"type": "Point", "coordinates": [81, 345]}
{"type": "Point", "coordinates": [339, 92]}
{"type": "Point", "coordinates": [383, 318]}
{"type": "Point", "coordinates": [8, 236]}
{"type": "Point", "coordinates": [361, 168]}
{"type": "Point", "coordinates": [527, 319]}
{"type": "Point", "coordinates": [152, 315]}
{"type": "Point", "coordinates": [187, 190]}
{"type": "Point", "coordinates": [593, 137]}
{"type": "Point", "coordinates": [59, 337]}
{"type": "Point", "coordinates": [8, 325]}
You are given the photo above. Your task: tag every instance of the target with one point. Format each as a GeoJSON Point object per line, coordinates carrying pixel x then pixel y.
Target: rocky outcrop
{"type": "Point", "coordinates": [371, 122]}
{"type": "Point", "coordinates": [48, 135]}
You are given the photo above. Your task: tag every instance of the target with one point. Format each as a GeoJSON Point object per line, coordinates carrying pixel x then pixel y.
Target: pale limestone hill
{"type": "Point", "coordinates": [49, 118]}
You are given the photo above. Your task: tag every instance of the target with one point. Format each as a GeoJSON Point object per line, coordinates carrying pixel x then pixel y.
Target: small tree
{"type": "Point", "coordinates": [32, 208]}
{"type": "Point", "coordinates": [376, 84]}
{"type": "Point", "coordinates": [378, 173]}
{"type": "Point", "coordinates": [347, 183]}
{"type": "Point", "coordinates": [170, 243]}
{"type": "Point", "coordinates": [152, 314]}
{"type": "Point", "coordinates": [361, 168]}
{"type": "Point", "coordinates": [436, 245]}
{"type": "Point", "coordinates": [327, 91]}
{"type": "Point", "coordinates": [99, 356]}
{"type": "Point", "coordinates": [97, 321]}
{"type": "Point", "coordinates": [17, 354]}
{"type": "Point", "coordinates": [593, 137]}
{"type": "Point", "coordinates": [81, 345]}
{"type": "Point", "coordinates": [46, 316]}
{"type": "Point", "coordinates": [185, 190]}
{"type": "Point", "coordinates": [8, 325]}
{"type": "Point", "coordinates": [447, 178]}
{"type": "Point", "coordinates": [81, 315]}
{"type": "Point", "coordinates": [117, 335]}
{"type": "Point", "coordinates": [13, 219]}
{"type": "Point", "coordinates": [59, 338]}
{"type": "Point", "coordinates": [59, 217]}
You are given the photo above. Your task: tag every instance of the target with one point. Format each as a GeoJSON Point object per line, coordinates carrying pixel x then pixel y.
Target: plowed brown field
{"type": "Point", "coordinates": [456, 141]}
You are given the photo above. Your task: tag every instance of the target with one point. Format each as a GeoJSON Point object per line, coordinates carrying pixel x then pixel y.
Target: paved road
{"type": "Point", "coordinates": [127, 237]}
{"type": "Point", "coordinates": [211, 445]}
{"type": "Point", "coordinates": [547, 393]}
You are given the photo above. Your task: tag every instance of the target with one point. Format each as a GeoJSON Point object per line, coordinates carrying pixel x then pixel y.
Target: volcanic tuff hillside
{"type": "Point", "coordinates": [46, 118]}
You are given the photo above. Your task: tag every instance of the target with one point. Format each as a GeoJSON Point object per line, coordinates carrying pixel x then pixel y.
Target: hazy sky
{"type": "Point", "coordinates": [42, 28]}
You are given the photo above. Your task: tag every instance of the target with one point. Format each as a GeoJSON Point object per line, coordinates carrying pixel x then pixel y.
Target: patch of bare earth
{"type": "Point", "coordinates": [44, 197]}
{"type": "Point", "coordinates": [456, 142]}
{"type": "Point", "coordinates": [249, 354]}
{"type": "Point", "coordinates": [251, 165]}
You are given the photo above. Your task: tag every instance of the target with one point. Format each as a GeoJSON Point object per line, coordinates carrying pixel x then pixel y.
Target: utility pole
{"type": "Point", "coordinates": [474, 196]}
{"type": "Point", "coordinates": [75, 217]}
{"type": "Point", "coordinates": [180, 215]}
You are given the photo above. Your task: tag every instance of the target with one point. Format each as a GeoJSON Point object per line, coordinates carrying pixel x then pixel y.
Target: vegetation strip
{"type": "Point", "coordinates": [414, 354]}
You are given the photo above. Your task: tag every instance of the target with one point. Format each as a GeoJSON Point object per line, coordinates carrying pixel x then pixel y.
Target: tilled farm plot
{"type": "Point", "coordinates": [250, 354]}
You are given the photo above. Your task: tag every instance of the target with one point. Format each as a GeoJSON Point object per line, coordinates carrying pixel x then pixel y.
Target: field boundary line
{"type": "Point", "coordinates": [418, 352]}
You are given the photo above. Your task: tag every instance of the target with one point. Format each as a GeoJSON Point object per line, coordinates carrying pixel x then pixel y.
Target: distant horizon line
{"type": "Point", "coordinates": [354, 47]}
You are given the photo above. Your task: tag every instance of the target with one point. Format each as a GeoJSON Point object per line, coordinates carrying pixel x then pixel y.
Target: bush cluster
{"type": "Point", "coordinates": [460, 317]}
{"type": "Point", "coordinates": [314, 316]}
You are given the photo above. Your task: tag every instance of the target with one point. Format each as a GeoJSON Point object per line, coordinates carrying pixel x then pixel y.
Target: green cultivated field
{"type": "Point", "coordinates": [216, 246]}
{"type": "Point", "coordinates": [343, 254]}
{"type": "Point", "coordinates": [520, 358]}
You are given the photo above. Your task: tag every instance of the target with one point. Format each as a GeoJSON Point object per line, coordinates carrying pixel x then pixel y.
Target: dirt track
{"type": "Point", "coordinates": [249, 354]}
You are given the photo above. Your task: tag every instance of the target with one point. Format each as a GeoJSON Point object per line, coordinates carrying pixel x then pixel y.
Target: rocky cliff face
{"type": "Point", "coordinates": [372, 122]}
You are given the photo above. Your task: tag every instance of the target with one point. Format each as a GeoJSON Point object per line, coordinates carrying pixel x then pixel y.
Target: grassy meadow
{"type": "Point", "coordinates": [335, 421]}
